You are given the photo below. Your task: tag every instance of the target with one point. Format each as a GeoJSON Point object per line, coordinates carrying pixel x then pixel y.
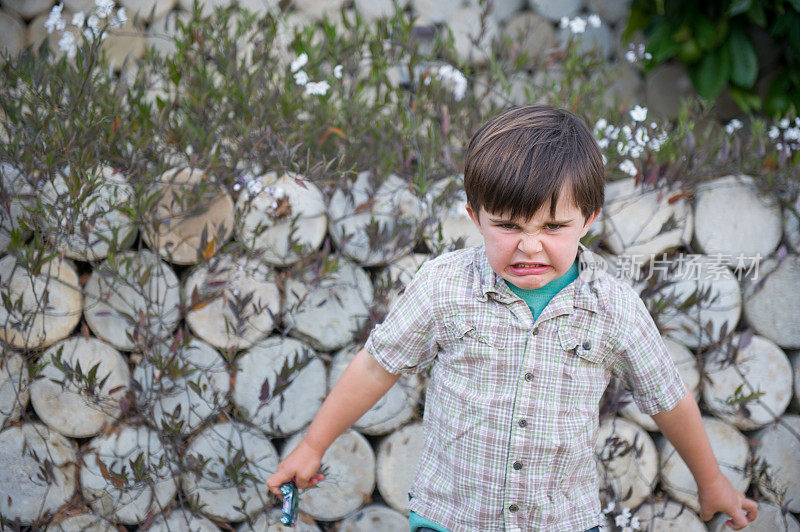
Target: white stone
{"type": "Point", "coordinates": [113, 489]}
{"type": "Point", "coordinates": [143, 8]}
{"type": "Point", "coordinates": [25, 451]}
{"type": "Point", "coordinates": [778, 450]}
{"type": "Point", "coordinates": [373, 10]}
{"type": "Point", "coordinates": [125, 43]}
{"type": "Point", "coordinates": [328, 308]}
{"type": "Point", "coordinates": [189, 203]}
{"type": "Point", "coordinates": [397, 458]}
{"type": "Point", "coordinates": [627, 461]}
{"type": "Point", "coordinates": [760, 367]}
{"type": "Point", "coordinates": [626, 89]}
{"type": "Point", "coordinates": [134, 297]}
{"type": "Point", "coordinates": [555, 10]}
{"type": "Point", "coordinates": [186, 386]}
{"type": "Point", "coordinates": [374, 517]}
{"type": "Point", "coordinates": [284, 219]}
{"type": "Point", "coordinates": [229, 464]}
{"type": "Point", "coordinates": [87, 228]}
{"type": "Point", "coordinates": [28, 8]}
{"type": "Point", "coordinates": [611, 11]}
{"type": "Point", "coordinates": [293, 377]}
{"type": "Point", "coordinates": [729, 446]}
{"type": "Point", "coordinates": [162, 32]}
{"type": "Point", "coordinates": [434, 11]}
{"type": "Point", "coordinates": [81, 523]}
{"type": "Point", "coordinates": [666, 86]}
{"type": "Point", "coordinates": [181, 519]}
{"type": "Point", "coordinates": [531, 33]}
{"type": "Point", "coordinates": [731, 217]}
{"type": "Point", "coordinates": [791, 225]}
{"type": "Point", "coordinates": [30, 325]}
{"type": "Point", "coordinates": [270, 522]}
{"type": "Point", "coordinates": [14, 382]}
{"type": "Point", "coordinates": [466, 27]}
{"type": "Point", "coordinates": [319, 8]}
{"type": "Point", "coordinates": [687, 367]}
{"type": "Point", "coordinates": [36, 32]}
{"type": "Point", "coordinates": [645, 223]}
{"type": "Point", "coordinates": [668, 516]}
{"type": "Point", "coordinates": [770, 519]}
{"type": "Point", "coordinates": [375, 223]}
{"type": "Point", "coordinates": [12, 34]}
{"type": "Point", "coordinates": [397, 275]}
{"type": "Point", "coordinates": [222, 284]}
{"type": "Point", "coordinates": [795, 360]}
{"type": "Point", "coordinates": [348, 482]}
{"type": "Point", "coordinates": [771, 304]}
{"type": "Point", "coordinates": [452, 228]}
{"type": "Point", "coordinates": [70, 408]}
{"type": "Point", "coordinates": [695, 276]}
{"type": "Point", "coordinates": [395, 407]}
{"type": "Point", "coordinates": [80, 5]}
{"type": "Point", "coordinates": [502, 10]}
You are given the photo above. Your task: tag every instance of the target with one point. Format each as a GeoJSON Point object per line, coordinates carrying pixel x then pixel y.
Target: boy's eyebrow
{"type": "Point", "coordinates": [509, 220]}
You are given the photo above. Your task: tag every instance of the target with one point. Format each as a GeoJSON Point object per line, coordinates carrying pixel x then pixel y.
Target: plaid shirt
{"type": "Point", "coordinates": [512, 406]}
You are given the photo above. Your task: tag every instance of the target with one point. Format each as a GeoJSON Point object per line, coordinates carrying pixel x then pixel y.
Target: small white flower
{"type": "Point", "coordinates": [94, 24]}
{"type": "Point", "coordinates": [647, 55]}
{"type": "Point", "coordinates": [564, 22]}
{"type": "Point", "coordinates": [641, 137]}
{"type": "Point", "coordinates": [78, 19]}
{"type": "Point", "coordinates": [793, 133]}
{"type": "Point", "coordinates": [53, 18]}
{"type": "Point", "coordinates": [638, 113]}
{"type": "Point", "coordinates": [603, 143]}
{"type": "Point", "coordinates": [318, 88]}
{"type": "Point", "coordinates": [577, 25]}
{"type": "Point", "coordinates": [779, 146]}
{"type": "Point", "coordinates": [67, 44]}
{"type": "Point", "coordinates": [630, 56]}
{"type": "Point", "coordinates": [605, 162]}
{"type": "Point", "coordinates": [337, 72]}
{"type": "Point", "coordinates": [614, 133]}
{"type": "Point", "coordinates": [626, 130]}
{"type": "Point", "coordinates": [601, 124]}
{"type": "Point", "coordinates": [120, 19]}
{"type": "Point", "coordinates": [784, 123]}
{"type": "Point", "coordinates": [301, 78]}
{"type": "Point", "coordinates": [104, 7]}
{"type": "Point", "coordinates": [300, 62]}
{"type": "Point", "coordinates": [622, 148]}
{"type": "Point", "coordinates": [594, 21]}
{"type": "Point", "coordinates": [733, 126]}
{"type": "Point", "coordinates": [621, 520]}
{"type": "Point", "coordinates": [635, 151]}
{"type": "Point", "coordinates": [774, 133]}
{"type": "Point", "coordinates": [629, 168]}
{"type": "Point", "coordinates": [609, 508]}
{"type": "Point", "coordinates": [635, 522]}
{"type": "Point", "coordinates": [237, 186]}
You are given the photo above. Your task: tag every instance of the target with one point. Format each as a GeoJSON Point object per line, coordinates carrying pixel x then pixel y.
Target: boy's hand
{"type": "Point", "coordinates": [720, 496]}
{"type": "Point", "coordinates": [301, 466]}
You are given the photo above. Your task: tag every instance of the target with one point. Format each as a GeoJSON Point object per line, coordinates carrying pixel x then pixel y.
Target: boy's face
{"type": "Point", "coordinates": [531, 253]}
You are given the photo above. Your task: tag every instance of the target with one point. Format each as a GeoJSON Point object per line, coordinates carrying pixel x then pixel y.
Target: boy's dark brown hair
{"type": "Point", "coordinates": [522, 158]}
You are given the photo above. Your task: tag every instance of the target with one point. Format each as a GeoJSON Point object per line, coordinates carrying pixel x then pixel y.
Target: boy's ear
{"type": "Point", "coordinates": [473, 215]}
{"type": "Point", "coordinates": [589, 222]}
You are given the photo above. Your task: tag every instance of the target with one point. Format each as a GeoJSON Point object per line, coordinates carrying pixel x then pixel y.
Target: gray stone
{"type": "Point", "coordinates": [791, 225]}
{"type": "Point", "coordinates": [668, 516]}
{"type": "Point", "coordinates": [530, 33]}
{"type": "Point", "coordinates": [611, 11]}
{"type": "Point", "coordinates": [143, 8]}
{"type": "Point", "coordinates": [771, 303]}
{"type": "Point", "coordinates": [375, 517]}
{"type": "Point", "coordinates": [554, 10]}
{"type": "Point", "coordinates": [731, 217]}
{"type": "Point", "coordinates": [435, 11]}
{"type": "Point", "coordinates": [600, 39]}
{"type": "Point", "coordinates": [666, 86]}
{"type": "Point", "coordinates": [28, 9]}
{"type": "Point", "coordinates": [466, 27]}
{"type": "Point", "coordinates": [779, 450]}
{"type": "Point", "coordinates": [12, 34]}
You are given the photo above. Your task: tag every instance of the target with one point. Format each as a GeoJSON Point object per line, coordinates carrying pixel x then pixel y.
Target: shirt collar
{"type": "Point", "coordinates": [584, 292]}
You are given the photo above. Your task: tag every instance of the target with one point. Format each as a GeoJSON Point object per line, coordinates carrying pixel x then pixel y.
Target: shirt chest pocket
{"type": "Point", "coordinates": [584, 372]}
{"type": "Point", "coordinates": [471, 343]}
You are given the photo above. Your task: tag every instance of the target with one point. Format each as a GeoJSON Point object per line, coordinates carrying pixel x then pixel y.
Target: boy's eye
{"type": "Point", "coordinates": [552, 227]}
{"type": "Point", "coordinates": [508, 226]}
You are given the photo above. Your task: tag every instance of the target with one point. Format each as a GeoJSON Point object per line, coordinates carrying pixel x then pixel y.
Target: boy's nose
{"type": "Point", "coordinates": [529, 244]}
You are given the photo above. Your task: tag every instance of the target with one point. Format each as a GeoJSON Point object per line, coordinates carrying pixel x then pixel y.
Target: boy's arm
{"type": "Point", "coordinates": [360, 386]}
{"type": "Point", "coordinates": [683, 427]}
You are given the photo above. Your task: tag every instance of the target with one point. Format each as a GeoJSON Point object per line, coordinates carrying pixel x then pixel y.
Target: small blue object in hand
{"type": "Point", "coordinates": [289, 512]}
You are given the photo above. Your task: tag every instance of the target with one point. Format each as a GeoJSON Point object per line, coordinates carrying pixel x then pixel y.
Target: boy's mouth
{"type": "Point", "coordinates": [521, 265]}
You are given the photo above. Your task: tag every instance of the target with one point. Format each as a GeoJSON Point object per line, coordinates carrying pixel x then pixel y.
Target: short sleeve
{"type": "Point", "coordinates": [405, 342]}
{"type": "Point", "coordinates": [644, 364]}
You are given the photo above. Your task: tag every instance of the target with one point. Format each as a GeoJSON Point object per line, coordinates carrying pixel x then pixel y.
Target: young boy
{"type": "Point", "coordinates": [522, 336]}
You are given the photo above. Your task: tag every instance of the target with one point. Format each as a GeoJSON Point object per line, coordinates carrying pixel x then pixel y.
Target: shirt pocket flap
{"type": "Point", "coordinates": [458, 328]}
{"type": "Point", "coordinates": [581, 344]}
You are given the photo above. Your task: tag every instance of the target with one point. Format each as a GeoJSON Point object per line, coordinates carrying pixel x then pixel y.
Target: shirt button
{"type": "Point", "coordinates": [587, 345]}
{"type": "Point", "coordinates": [522, 422]}
{"type": "Point", "coordinates": [529, 376]}
{"type": "Point", "coordinates": [535, 331]}
{"type": "Point", "coordinates": [517, 465]}
{"type": "Point", "coordinates": [513, 508]}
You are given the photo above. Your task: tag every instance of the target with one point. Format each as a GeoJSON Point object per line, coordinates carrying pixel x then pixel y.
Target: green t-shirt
{"type": "Point", "coordinates": [538, 298]}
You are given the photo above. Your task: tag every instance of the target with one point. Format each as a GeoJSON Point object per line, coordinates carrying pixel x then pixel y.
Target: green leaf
{"type": "Point", "coordinates": [738, 7]}
{"type": "Point", "coordinates": [744, 61]}
{"type": "Point", "coordinates": [746, 100]}
{"type": "Point", "coordinates": [704, 32]}
{"type": "Point", "coordinates": [710, 74]}
{"type": "Point", "coordinates": [661, 44]}
{"type": "Point", "coordinates": [756, 14]}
